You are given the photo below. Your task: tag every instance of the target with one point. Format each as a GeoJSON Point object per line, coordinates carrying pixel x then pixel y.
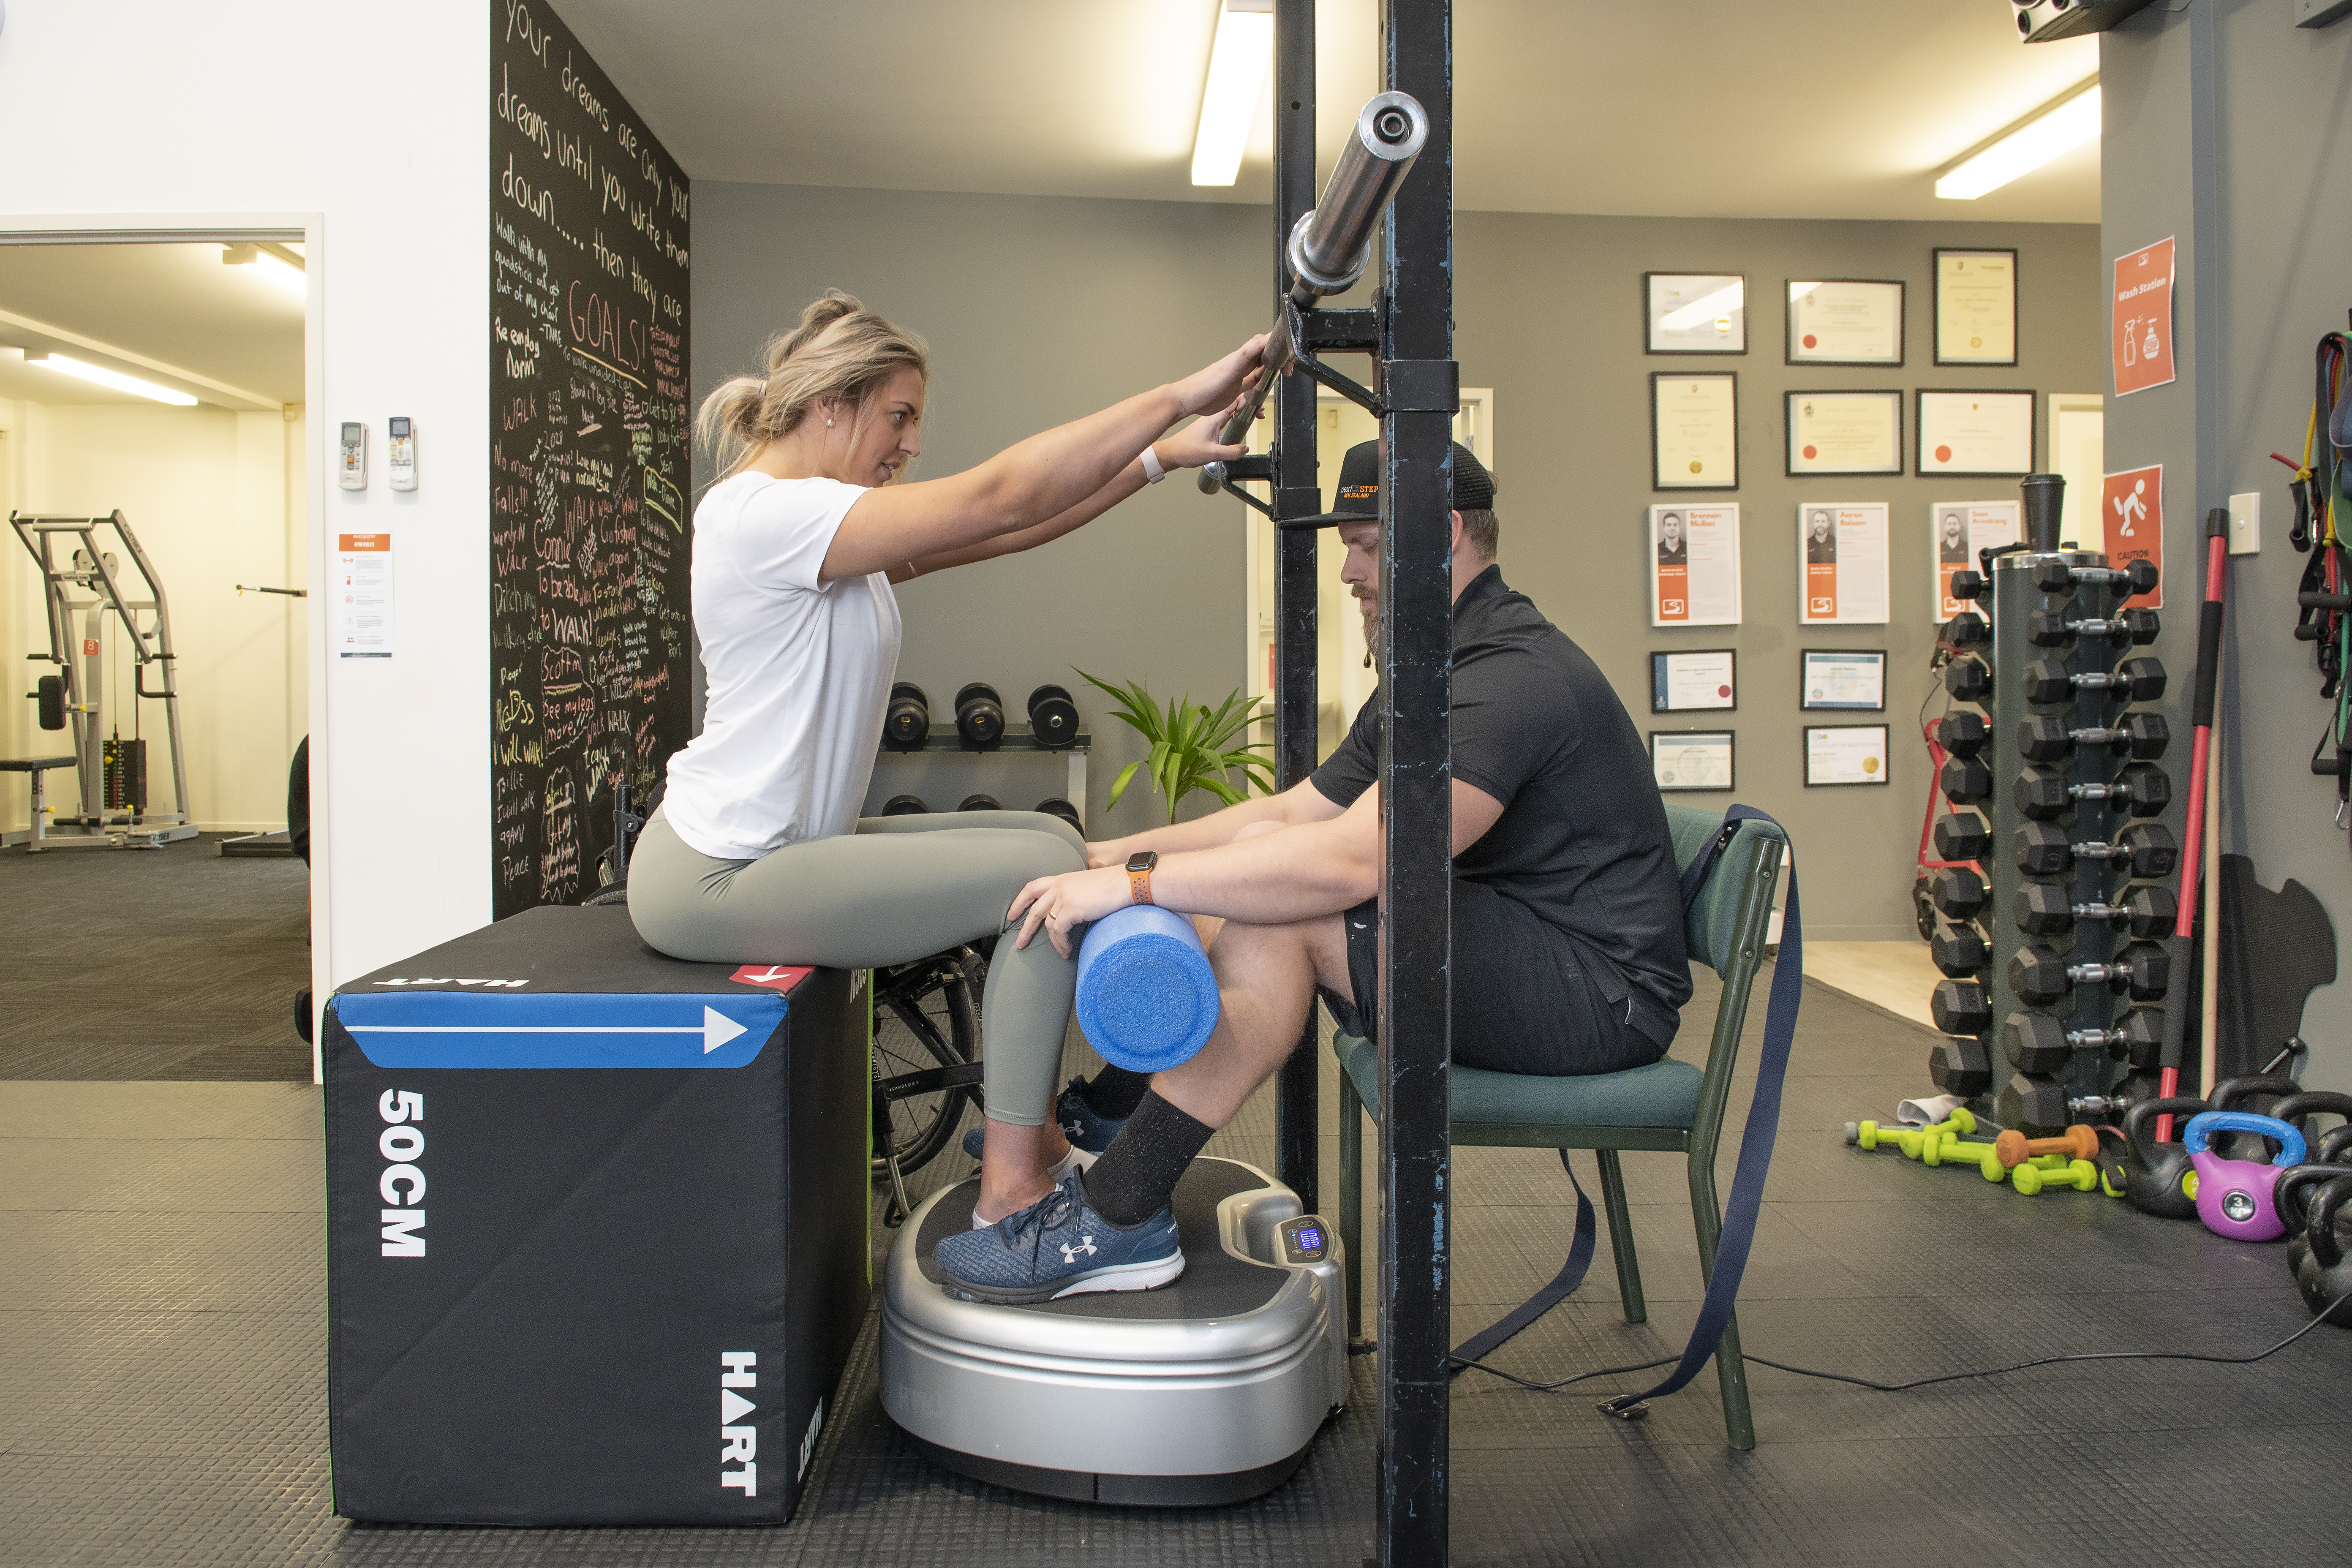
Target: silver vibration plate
{"type": "Point", "coordinates": [1120, 1407]}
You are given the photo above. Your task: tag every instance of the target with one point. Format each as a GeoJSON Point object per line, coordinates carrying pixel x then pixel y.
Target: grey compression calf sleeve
{"type": "Point", "coordinates": [900, 888]}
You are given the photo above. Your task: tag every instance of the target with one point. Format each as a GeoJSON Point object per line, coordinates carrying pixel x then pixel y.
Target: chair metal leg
{"type": "Point", "coordinates": [1621, 1234]}
{"type": "Point", "coordinates": [1351, 1200]}
{"type": "Point", "coordinates": [1730, 1366]}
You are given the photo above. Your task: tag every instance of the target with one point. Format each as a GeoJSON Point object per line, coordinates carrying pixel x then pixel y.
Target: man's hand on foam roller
{"type": "Point", "coordinates": [1059, 904]}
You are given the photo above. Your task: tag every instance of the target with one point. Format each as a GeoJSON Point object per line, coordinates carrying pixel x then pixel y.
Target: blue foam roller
{"type": "Point", "coordinates": [1147, 997]}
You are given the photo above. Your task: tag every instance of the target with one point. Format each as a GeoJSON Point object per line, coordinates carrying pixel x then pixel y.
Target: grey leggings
{"type": "Point", "coordinates": [900, 888]}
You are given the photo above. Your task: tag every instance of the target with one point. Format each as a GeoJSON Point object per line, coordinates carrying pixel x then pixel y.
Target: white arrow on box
{"type": "Point", "coordinates": [715, 1029]}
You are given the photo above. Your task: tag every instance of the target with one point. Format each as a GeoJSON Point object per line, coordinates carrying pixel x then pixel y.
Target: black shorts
{"type": "Point", "coordinates": [1525, 998]}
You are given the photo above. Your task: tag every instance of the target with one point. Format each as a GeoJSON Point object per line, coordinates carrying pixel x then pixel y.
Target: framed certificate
{"type": "Point", "coordinates": [1842, 562]}
{"type": "Point", "coordinates": [1693, 553]}
{"type": "Point", "coordinates": [1975, 307]}
{"type": "Point", "coordinates": [1691, 758]}
{"type": "Point", "coordinates": [1842, 677]}
{"type": "Point", "coordinates": [1844, 433]}
{"type": "Point", "coordinates": [1705, 678]}
{"type": "Point", "coordinates": [1694, 431]}
{"type": "Point", "coordinates": [1978, 435]}
{"type": "Point", "coordinates": [1963, 529]}
{"type": "Point", "coordinates": [1694, 313]}
{"type": "Point", "coordinates": [1845, 754]}
{"type": "Point", "coordinates": [1844, 320]}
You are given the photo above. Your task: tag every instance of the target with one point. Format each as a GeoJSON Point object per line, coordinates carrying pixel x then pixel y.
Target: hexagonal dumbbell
{"type": "Point", "coordinates": [2041, 908]}
{"type": "Point", "coordinates": [2039, 976]}
{"type": "Point", "coordinates": [2057, 577]}
{"type": "Point", "coordinates": [2146, 849]}
{"type": "Point", "coordinates": [2032, 1104]}
{"type": "Point", "coordinates": [2044, 737]}
{"type": "Point", "coordinates": [1957, 891]}
{"type": "Point", "coordinates": [1968, 629]}
{"type": "Point", "coordinates": [2041, 1043]}
{"type": "Point", "coordinates": [1971, 586]}
{"type": "Point", "coordinates": [1962, 836]}
{"type": "Point", "coordinates": [1960, 950]}
{"type": "Point", "coordinates": [2134, 681]}
{"type": "Point", "coordinates": [1958, 1007]}
{"type": "Point", "coordinates": [2052, 628]}
{"type": "Point", "coordinates": [1967, 679]}
{"type": "Point", "coordinates": [1961, 1067]}
{"type": "Point", "coordinates": [1965, 780]}
{"type": "Point", "coordinates": [2042, 794]}
{"type": "Point", "coordinates": [1963, 734]}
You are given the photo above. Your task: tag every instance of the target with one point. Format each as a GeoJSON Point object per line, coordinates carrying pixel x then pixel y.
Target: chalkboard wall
{"type": "Point", "coordinates": [589, 541]}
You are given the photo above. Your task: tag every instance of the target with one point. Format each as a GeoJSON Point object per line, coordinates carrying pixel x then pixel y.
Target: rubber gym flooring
{"type": "Point", "coordinates": [163, 1396]}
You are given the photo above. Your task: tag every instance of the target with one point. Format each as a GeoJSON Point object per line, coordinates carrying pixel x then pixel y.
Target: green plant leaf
{"type": "Point", "coordinates": [1119, 787]}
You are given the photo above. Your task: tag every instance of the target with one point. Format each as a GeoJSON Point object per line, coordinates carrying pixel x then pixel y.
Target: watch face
{"type": "Point", "coordinates": [1143, 861]}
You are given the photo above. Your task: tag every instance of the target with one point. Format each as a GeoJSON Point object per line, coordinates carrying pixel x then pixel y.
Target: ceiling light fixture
{"type": "Point", "coordinates": [115, 379]}
{"type": "Point", "coordinates": [2052, 134]}
{"type": "Point", "coordinates": [1238, 64]}
{"type": "Point", "coordinates": [269, 261]}
{"type": "Point", "coordinates": [1714, 307]}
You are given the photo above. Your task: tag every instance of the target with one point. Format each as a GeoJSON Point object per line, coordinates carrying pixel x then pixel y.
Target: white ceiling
{"type": "Point", "coordinates": [166, 313]}
{"type": "Point", "coordinates": [1817, 108]}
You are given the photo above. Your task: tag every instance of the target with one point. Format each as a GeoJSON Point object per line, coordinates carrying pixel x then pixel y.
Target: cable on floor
{"type": "Point", "coordinates": [1941, 1377]}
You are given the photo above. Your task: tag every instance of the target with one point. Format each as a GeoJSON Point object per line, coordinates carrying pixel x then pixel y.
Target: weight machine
{"type": "Point", "coordinates": [112, 772]}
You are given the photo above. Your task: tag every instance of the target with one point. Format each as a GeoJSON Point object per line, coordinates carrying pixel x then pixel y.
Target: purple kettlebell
{"type": "Point", "coordinates": [2234, 1198]}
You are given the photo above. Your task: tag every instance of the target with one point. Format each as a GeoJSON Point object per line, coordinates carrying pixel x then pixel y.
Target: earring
{"type": "Point", "coordinates": [828, 423]}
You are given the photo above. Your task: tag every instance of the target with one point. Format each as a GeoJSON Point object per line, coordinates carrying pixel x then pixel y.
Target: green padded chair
{"type": "Point", "coordinates": [1669, 1105]}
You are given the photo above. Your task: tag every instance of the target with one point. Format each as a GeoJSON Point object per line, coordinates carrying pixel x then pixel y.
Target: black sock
{"type": "Point", "coordinates": [1115, 1092]}
{"type": "Point", "coordinates": [1138, 1173]}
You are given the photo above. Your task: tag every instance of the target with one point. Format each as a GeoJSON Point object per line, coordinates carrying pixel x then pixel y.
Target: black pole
{"type": "Point", "coordinates": [1296, 494]}
{"type": "Point", "coordinates": [1419, 389]}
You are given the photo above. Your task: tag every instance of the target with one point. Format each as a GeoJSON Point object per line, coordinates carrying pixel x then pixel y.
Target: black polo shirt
{"type": "Point", "coordinates": [1582, 840]}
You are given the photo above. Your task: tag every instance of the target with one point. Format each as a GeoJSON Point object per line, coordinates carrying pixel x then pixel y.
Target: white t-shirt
{"type": "Point", "coordinates": [797, 674]}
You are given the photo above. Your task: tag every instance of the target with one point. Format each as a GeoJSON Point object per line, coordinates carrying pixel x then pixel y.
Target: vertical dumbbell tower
{"type": "Point", "coordinates": [2033, 1011]}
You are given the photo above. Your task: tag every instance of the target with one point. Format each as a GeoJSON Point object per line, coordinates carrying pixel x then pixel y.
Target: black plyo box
{"type": "Point", "coordinates": [596, 1228]}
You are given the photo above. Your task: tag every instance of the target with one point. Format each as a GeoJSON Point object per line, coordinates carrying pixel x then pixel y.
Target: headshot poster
{"type": "Point", "coordinates": [1842, 562]}
{"type": "Point", "coordinates": [1695, 565]}
{"type": "Point", "coordinates": [1962, 530]}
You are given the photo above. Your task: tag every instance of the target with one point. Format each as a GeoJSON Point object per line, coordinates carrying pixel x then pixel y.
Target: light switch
{"type": "Point", "coordinates": [2246, 523]}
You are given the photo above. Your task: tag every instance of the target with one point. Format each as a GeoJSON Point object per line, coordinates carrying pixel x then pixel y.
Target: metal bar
{"type": "Point", "coordinates": [1298, 1102]}
{"type": "Point", "coordinates": [1416, 789]}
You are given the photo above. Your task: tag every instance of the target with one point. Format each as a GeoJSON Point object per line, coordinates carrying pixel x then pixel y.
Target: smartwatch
{"type": "Point", "coordinates": [1138, 875]}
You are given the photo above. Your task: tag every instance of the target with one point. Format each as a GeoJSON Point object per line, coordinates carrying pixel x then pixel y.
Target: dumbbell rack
{"type": "Point", "coordinates": [2001, 973]}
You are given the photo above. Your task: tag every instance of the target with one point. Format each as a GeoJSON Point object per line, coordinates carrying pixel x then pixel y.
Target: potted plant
{"type": "Point", "coordinates": [1192, 747]}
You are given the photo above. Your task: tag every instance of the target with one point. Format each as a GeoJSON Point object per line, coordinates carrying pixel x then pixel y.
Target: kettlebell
{"type": "Point", "coordinates": [2300, 1108]}
{"type": "Point", "coordinates": [2233, 1196]}
{"type": "Point", "coordinates": [2325, 1279]}
{"type": "Point", "coordinates": [2237, 1094]}
{"type": "Point", "coordinates": [2155, 1174]}
{"type": "Point", "coordinates": [2331, 1159]}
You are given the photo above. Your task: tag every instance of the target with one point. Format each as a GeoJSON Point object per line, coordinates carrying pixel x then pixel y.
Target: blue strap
{"type": "Point", "coordinates": [1747, 1199]}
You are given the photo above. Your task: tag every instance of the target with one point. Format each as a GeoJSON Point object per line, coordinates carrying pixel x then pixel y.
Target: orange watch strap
{"type": "Point", "coordinates": [1138, 886]}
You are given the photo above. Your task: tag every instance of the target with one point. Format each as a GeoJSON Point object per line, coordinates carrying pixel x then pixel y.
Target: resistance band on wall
{"type": "Point", "coordinates": [2325, 594]}
{"type": "Point", "coordinates": [1747, 1200]}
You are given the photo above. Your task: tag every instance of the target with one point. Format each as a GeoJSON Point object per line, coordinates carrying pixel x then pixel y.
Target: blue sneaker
{"type": "Point", "coordinates": [1088, 1132]}
{"type": "Point", "coordinates": [1059, 1246]}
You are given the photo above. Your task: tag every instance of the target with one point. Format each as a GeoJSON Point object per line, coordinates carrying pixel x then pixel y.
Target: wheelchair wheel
{"type": "Point", "coordinates": [924, 1020]}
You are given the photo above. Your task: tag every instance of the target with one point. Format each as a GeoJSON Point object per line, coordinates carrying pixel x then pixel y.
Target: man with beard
{"type": "Point", "coordinates": [1567, 930]}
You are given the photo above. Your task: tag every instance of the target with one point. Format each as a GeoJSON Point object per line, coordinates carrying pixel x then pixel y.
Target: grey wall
{"type": "Point", "coordinates": [2260, 168]}
{"type": "Point", "coordinates": [1041, 308]}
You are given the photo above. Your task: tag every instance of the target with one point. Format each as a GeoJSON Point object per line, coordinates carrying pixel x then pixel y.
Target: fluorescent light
{"type": "Point", "coordinates": [1715, 306]}
{"type": "Point", "coordinates": [265, 264]}
{"type": "Point", "coordinates": [115, 379]}
{"type": "Point", "coordinates": [2050, 135]}
{"type": "Point", "coordinates": [1237, 69]}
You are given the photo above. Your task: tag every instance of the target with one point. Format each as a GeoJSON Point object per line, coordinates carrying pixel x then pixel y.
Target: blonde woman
{"type": "Point", "coordinates": [757, 851]}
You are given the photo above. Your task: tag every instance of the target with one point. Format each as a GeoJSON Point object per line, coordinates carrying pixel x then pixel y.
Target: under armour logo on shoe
{"type": "Point", "coordinates": [1085, 1244]}
{"type": "Point", "coordinates": [1071, 1130]}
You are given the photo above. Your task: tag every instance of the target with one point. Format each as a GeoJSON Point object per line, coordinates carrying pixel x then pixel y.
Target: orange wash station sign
{"type": "Point", "coordinates": [2141, 334]}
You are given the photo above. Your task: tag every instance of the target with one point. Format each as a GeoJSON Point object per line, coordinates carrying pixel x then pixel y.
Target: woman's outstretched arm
{"type": "Point", "coordinates": [1187, 449]}
{"type": "Point", "coordinates": [1030, 482]}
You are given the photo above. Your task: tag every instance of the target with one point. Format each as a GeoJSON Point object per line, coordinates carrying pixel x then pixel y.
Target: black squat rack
{"type": "Point", "coordinates": [1401, 151]}
{"type": "Point", "coordinates": [2056, 949]}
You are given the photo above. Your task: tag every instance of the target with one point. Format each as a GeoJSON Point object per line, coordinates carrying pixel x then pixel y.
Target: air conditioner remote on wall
{"type": "Point", "coordinates": [350, 470]}
{"type": "Point", "coordinates": [400, 455]}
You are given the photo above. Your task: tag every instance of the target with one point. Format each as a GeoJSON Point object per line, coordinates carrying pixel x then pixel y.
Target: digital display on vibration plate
{"type": "Point", "coordinates": [1310, 1239]}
